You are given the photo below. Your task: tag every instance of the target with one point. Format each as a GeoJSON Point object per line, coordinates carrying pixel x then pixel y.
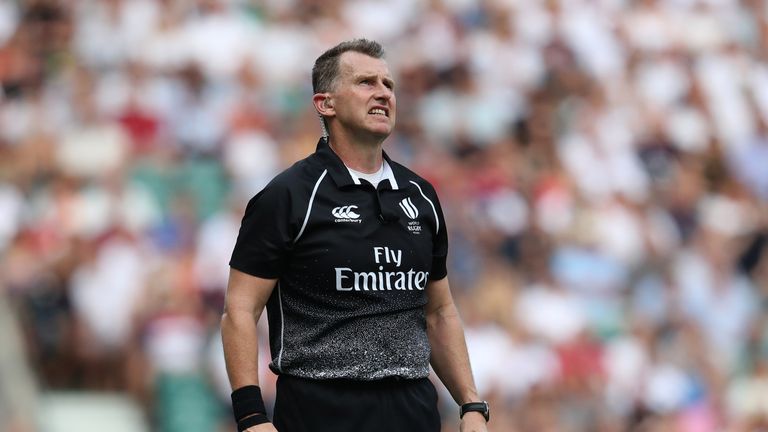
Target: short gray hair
{"type": "Point", "coordinates": [326, 68]}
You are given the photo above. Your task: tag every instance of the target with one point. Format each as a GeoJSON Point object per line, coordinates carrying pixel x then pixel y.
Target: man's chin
{"type": "Point", "coordinates": [380, 132]}
{"type": "Point", "coordinates": [372, 133]}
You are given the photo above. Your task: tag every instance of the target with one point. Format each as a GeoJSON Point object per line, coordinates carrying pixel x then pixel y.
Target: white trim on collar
{"type": "Point", "coordinates": [386, 175]}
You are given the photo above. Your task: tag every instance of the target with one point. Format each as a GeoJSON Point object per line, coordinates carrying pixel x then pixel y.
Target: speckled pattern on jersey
{"type": "Point", "coordinates": [352, 264]}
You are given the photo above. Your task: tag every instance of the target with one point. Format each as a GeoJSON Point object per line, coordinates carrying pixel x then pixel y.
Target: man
{"type": "Point", "coordinates": [347, 250]}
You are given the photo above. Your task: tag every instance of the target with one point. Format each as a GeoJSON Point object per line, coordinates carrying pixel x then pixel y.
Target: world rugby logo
{"type": "Point", "coordinates": [409, 208]}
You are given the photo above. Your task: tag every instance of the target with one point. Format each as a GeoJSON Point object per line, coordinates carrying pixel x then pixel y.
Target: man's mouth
{"type": "Point", "coordinates": [378, 111]}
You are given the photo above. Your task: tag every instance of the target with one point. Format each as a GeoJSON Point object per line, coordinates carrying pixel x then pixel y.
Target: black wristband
{"type": "Point", "coordinates": [481, 407]}
{"type": "Point", "coordinates": [247, 401]}
{"type": "Point", "coordinates": [253, 420]}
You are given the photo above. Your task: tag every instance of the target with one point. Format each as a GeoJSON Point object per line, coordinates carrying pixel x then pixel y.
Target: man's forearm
{"type": "Point", "coordinates": [450, 359]}
{"type": "Point", "coordinates": [240, 339]}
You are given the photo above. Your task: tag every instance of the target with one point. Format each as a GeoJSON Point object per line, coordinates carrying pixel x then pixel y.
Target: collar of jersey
{"type": "Point", "coordinates": [339, 172]}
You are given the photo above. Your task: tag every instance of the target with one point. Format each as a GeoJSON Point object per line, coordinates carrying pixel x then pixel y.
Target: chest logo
{"type": "Point", "coordinates": [346, 214]}
{"type": "Point", "coordinates": [409, 208]}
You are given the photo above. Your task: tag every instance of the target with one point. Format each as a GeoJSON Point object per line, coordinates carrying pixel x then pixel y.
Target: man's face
{"type": "Point", "coordinates": [364, 98]}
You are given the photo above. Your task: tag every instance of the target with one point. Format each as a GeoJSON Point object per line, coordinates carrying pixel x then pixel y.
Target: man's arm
{"type": "Point", "coordinates": [450, 359]}
{"type": "Point", "coordinates": [246, 297]}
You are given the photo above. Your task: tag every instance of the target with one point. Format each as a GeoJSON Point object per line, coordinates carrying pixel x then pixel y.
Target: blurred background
{"type": "Point", "coordinates": [603, 166]}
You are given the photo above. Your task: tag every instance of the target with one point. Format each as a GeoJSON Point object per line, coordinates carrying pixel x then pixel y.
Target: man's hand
{"type": "Point", "coordinates": [264, 427]}
{"type": "Point", "coordinates": [473, 422]}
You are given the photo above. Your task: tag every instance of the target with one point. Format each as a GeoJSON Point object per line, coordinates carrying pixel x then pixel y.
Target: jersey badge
{"type": "Point", "coordinates": [410, 210]}
{"type": "Point", "coordinates": [346, 214]}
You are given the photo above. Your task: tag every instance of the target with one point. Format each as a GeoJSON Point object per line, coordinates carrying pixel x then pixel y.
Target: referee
{"type": "Point", "coordinates": [347, 251]}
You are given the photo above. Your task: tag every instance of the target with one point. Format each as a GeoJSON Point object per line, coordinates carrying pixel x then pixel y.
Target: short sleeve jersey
{"type": "Point", "coordinates": [352, 263]}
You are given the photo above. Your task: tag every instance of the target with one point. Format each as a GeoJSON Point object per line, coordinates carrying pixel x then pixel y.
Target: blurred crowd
{"type": "Point", "coordinates": [603, 167]}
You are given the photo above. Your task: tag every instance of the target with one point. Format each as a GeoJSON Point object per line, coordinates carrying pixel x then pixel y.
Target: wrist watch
{"type": "Point", "coordinates": [481, 407]}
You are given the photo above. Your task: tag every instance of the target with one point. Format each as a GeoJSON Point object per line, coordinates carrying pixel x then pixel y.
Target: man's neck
{"type": "Point", "coordinates": [365, 157]}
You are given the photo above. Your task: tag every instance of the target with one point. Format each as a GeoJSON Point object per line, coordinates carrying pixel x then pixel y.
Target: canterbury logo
{"type": "Point", "coordinates": [345, 212]}
{"type": "Point", "coordinates": [409, 209]}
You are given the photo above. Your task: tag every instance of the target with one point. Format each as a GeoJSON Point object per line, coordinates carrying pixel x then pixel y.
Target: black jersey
{"type": "Point", "coordinates": [352, 263]}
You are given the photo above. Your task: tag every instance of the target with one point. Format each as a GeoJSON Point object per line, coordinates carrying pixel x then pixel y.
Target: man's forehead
{"type": "Point", "coordinates": [353, 63]}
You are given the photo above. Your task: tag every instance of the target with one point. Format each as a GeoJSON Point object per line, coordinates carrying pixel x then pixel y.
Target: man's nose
{"type": "Point", "coordinates": [383, 92]}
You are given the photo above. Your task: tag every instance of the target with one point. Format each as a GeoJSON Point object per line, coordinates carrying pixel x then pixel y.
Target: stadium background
{"type": "Point", "coordinates": [603, 165]}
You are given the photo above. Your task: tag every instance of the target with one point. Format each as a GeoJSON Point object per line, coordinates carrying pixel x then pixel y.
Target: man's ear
{"type": "Point", "coordinates": [324, 104]}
